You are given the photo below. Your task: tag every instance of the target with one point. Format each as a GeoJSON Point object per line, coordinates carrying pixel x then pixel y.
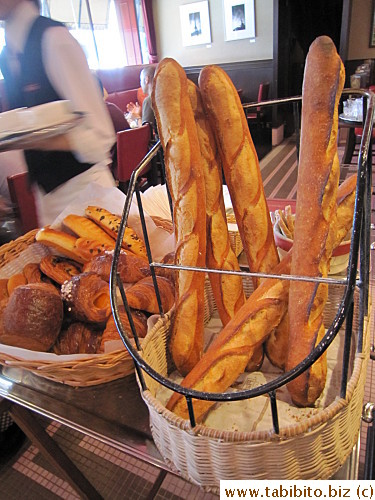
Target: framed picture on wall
{"type": "Point", "coordinates": [195, 23]}
{"type": "Point", "coordinates": [372, 33]}
{"type": "Point", "coordinates": [239, 19]}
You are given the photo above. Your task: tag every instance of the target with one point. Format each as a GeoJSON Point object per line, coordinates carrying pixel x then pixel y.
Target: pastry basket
{"type": "Point", "coordinates": [314, 446]}
{"type": "Point", "coordinates": [87, 371]}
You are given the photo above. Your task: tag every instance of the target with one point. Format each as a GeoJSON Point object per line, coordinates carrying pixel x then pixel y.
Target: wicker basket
{"type": "Point", "coordinates": [91, 370]}
{"type": "Point", "coordinates": [314, 448]}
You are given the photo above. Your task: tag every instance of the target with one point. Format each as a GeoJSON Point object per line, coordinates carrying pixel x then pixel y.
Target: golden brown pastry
{"type": "Point", "coordinates": [183, 161]}
{"type": "Point", "coordinates": [318, 177]}
{"type": "Point", "coordinates": [229, 353]}
{"type": "Point", "coordinates": [4, 289]}
{"type": "Point", "coordinates": [110, 223]}
{"type": "Point", "coordinates": [111, 333]}
{"type": "Point", "coordinates": [88, 249]}
{"type": "Point", "coordinates": [142, 295]}
{"type": "Point", "coordinates": [15, 281]}
{"type": "Point", "coordinates": [227, 289]}
{"type": "Point", "coordinates": [78, 338]}
{"type": "Point", "coordinates": [60, 241]}
{"type": "Point", "coordinates": [33, 317]}
{"type": "Point", "coordinates": [130, 267]}
{"type": "Point", "coordinates": [241, 168]}
{"type": "Point", "coordinates": [32, 273]}
{"type": "Point", "coordinates": [86, 297]}
{"type": "Point", "coordinates": [86, 228]}
{"type": "Point", "coordinates": [59, 269]}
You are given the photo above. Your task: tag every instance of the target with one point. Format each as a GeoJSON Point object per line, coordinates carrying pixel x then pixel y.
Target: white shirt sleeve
{"type": "Point", "coordinates": [67, 69]}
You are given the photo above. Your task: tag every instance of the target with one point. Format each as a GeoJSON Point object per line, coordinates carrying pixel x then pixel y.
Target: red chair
{"type": "Point", "coordinates": [258, 114]}
{"type": "Point", "coordinates": [22, 197]}
{"type": "Point", "coordinates": [132, 147]}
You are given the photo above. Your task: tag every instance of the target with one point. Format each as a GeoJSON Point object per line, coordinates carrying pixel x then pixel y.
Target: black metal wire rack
{"type": "Point", "coordinates": [359, 250]}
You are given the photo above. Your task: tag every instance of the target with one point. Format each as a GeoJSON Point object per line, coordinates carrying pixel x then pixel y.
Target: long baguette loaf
{"type": "Point", "coordinates": [184, 172]}
{"type": "Point", "coordinates": [241, 168]}
{"type": "Point", "coordinates": [260, 316]}
{"type": "Point", "coordinates": [317, 184]}
{"type": "Point", "coordinates": [231, 350]}
{"type": "Point", "coordinates": [276, 346]}
{"type": "Point", "coordinates": [227, 289]}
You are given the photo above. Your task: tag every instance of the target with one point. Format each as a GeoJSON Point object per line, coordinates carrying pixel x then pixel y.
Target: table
{"type": "Point", "coordinates": [102, 412]}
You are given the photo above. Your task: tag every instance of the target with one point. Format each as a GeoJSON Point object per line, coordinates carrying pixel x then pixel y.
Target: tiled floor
{"type": "Point", "coordinates": [114, 474]}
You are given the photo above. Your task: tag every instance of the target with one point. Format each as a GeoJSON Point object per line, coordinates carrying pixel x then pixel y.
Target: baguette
{"type": "Point", "coordinates": [241, 168]}
{"type": "Point", "coordinates": [110, 223]}
{"type": "Point", "coordinates": [318, 177]}
{"type": "Point", "coordinates": [184, 173]}
{"type": "Point", "coordinates": [60, 241]}
{"type": "Point", "coordinates": [260, 315]}
{"type": "Point", "coordinates": [276, 346]}
{"type": "Point", "coordinates": [86, 228]}
{"type": "Point", "coordinates": [227, 289]}
{"type": "Point", "coordinates": [231, 350]}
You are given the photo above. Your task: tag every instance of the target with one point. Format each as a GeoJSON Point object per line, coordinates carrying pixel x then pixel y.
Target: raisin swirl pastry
{"type": "Point", "coordinates": [59, 269]}
{"type": "Point", "coordinates": [86, 297]}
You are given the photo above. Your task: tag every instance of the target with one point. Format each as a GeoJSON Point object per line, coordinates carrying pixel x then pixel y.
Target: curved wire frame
{"type": "Point", "coordinates": [359, 246]}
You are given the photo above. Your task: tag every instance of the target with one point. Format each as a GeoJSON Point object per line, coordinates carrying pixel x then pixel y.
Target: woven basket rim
{"type": "Point", "coordinates": [309, 424]}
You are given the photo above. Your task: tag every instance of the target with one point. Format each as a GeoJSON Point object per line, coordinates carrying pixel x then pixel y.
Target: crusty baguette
{"type": "Point", "coordinates": [345, 208]}
{"type": "Point", "coordinates": [86, 228]}
{"type": "Point", "coordinates": [59, 241]}
{"type": "Point", "coordinates": [183, 161]}
{"type": "Point", "coordinates": [227, 289]}
{"type": "Point", "coordinates": [241, 168]}
{"type": "Point", "coordinates": [276, 346]}
{"type": "Point", "coordinates": [231, 350]}
{"type": "Point", "coordinates": [110, 223]}
{"type": "Point", "coordinates": [318, 177]}
{"type": "Point", "coordinates": [264, 313]}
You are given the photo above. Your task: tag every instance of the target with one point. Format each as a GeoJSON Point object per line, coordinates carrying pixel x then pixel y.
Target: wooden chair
{"type": "Point", "coordinates": [22, 197]}
{"type": "Point", "coordinates": [132, 147]}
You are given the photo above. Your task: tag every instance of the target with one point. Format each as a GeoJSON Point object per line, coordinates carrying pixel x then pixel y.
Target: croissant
{"type": "Point", "coordinates": [32, 273]}
{"type": "Point", "coordinates": [86, 297]}
{"type": "Point", "coordinates": [59, 269]}
{"type": "Point", "coordinates": [111, 333]}
{"type": "Point", "coordinates": [130, 267]}
{"type": "Point", "coordinates": [78, 338]}
{"type": "Point", "coordinates": [142, 295]}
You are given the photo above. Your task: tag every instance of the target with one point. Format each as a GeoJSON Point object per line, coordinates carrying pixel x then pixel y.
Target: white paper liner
{"type": "Point", "coordinates": [155, 201]}
{"type": "Point", "coordinates": [255, 414]}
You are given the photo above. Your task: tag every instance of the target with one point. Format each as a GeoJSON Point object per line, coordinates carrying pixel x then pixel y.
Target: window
{"type": "Point", "coordinates": [111, 32]}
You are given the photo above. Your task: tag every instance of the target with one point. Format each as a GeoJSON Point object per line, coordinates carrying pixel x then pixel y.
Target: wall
{"type": "Point", "coordinates": [169, 42]}
{"type": "Point", "coordinates": [360, 26]}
